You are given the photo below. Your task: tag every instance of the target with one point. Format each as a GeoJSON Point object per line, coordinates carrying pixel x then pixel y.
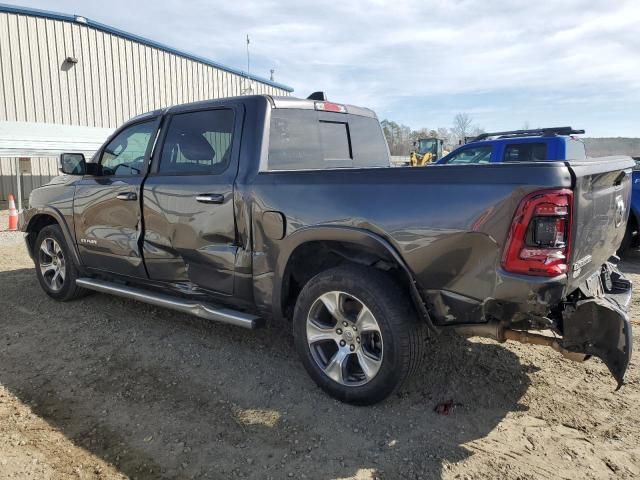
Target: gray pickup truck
{"type": "Point", "coordinates": [253, 208]}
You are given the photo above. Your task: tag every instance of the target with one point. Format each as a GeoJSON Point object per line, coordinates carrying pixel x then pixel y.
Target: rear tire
{"type": "Point", "coordinates": [357, 333]}
{"type": "Point", "coordinates": [55, 269]}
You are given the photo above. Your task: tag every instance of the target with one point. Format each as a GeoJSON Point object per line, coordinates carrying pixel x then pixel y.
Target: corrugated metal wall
{"type": "Point", "coordinates": [115, 78]}
{"type": "Point", "coordinates": [43, 169]}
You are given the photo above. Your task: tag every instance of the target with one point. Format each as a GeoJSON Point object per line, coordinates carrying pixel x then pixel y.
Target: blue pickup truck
{"type": "Point", "coordinates": [544, 144]}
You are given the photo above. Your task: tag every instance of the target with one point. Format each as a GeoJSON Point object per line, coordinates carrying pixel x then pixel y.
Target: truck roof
{"type": "Point", "coordinates": [537, 132]}
{"type": "Point", "coordinates": [275, 101]}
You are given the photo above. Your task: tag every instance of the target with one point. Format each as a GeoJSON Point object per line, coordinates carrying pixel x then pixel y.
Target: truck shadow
{"type": "Point", "coordinates": [159, 394]}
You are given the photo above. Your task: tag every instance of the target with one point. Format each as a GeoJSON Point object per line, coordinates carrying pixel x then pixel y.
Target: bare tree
{"type": "Point", "coordinates": [461, 125]}
{"type": "Point", "coordinates": [447, 136]}
{"type": "Point", "coordinates": [400, 137]}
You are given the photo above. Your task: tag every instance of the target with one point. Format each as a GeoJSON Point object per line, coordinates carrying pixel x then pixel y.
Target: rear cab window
{"type": "Point", "coordinates": [308, 139]}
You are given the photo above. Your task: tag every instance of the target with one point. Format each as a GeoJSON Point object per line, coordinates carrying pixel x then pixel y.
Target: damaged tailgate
{"type": "Point", "coordinates": [596, 322]}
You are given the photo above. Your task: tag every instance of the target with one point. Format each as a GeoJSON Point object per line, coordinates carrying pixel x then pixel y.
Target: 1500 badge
{"type": "Point", "coordinates": [577, 266]}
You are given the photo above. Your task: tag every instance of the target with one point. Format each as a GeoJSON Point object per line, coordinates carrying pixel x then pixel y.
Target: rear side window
{"type": "Point", "coordinates": [308, 139]}
{"type": "Point", "coordinates": [471, 155]}
{"type": "Point", "coordinates": [198, 143]}
{"type": "Point", "coordinates": [525, 152]}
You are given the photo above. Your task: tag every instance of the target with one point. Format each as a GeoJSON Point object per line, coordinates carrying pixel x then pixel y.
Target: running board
{"type": "Point", "coordinates": [192, 307]}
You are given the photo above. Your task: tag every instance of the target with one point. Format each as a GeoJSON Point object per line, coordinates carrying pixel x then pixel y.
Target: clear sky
{"type": "Point", "coordinates": [506, 62]}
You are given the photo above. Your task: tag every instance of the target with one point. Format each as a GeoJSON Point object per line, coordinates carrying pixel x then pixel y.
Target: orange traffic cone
{"type": "Point", "coordinates": [13, 214]}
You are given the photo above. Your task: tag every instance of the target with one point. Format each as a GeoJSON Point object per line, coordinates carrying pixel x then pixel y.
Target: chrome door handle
{"type": "Point", "coordinates": [127, 196]}
{"type": "Point", "coordinates": [210, 198]}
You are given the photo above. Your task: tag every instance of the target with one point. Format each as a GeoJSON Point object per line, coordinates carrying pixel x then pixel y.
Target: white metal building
{"type": "Point", "coordinates": [66, 82]}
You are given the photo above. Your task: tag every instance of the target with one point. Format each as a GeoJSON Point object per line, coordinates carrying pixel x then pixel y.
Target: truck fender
{"type": "Point", "coordinates": [60, 220]}
{"type": "Point", "coordinates": [348, 235]}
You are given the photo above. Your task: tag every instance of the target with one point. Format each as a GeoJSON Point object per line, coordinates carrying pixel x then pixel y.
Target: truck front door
{"type": "Point", "coordinates": [107, 206]}
{"type": "Point", "coordinates": [188, 209]}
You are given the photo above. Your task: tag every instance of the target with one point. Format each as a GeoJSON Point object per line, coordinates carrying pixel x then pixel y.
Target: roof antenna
{"type": "Point", "coordinates": [272, 72]}
{"type": "Point", "coordinates": [249, 89]}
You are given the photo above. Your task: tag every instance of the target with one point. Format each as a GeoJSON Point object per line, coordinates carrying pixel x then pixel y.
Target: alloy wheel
{"type": "Point", "coordinates": [344, 338]}
{"type": "Point", "coordinates": [52, 264]}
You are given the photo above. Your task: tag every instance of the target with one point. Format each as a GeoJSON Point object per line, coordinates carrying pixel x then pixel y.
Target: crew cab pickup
{"type": "Point", "coordinates": [244, 210]}
{"type": "Point", "coordinates": [542, 144]}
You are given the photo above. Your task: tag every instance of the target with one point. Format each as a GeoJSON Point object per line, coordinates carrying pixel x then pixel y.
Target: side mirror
{"type": "Point", "coordinates": [73, 164]}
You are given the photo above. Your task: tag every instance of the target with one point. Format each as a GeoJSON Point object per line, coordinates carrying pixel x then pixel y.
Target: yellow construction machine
{"type": "Point", "coordinates": [426, 150]}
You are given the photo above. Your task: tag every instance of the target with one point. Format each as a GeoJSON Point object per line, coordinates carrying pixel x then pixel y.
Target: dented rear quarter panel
{"type": "Point", "coordinates": [449, 223]}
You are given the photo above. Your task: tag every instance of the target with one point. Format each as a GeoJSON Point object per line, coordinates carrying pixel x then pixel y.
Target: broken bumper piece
{"type": "Point", "coordinates": [599, 325]}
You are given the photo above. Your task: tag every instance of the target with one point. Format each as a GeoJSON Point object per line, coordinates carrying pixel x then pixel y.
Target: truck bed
{"type": "Point", "coordinates": [450, 222]}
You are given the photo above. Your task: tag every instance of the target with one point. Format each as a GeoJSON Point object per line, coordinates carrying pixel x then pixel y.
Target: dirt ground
{"type": "Point", "coordinates": [108, 388]}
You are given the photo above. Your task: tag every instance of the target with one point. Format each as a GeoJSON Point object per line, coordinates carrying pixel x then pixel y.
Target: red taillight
{"type": "Point", "coordinates": [539, 238]}
{"type": "Point", "coordinates": [330, 107]}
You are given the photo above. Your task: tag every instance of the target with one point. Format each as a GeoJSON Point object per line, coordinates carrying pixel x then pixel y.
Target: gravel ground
{"type": "Point", "coordinates": [6, 237]}
{"type": "Point", "coordinates": [109, 388]}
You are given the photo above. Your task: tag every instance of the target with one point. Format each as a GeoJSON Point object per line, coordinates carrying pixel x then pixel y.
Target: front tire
{"type": "Point", "coordinates": [55, 269]}
{"type": "Point", "coordinates": [357, 333]}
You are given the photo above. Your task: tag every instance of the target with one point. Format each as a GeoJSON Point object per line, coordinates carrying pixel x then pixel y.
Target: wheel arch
{"type": "Point", "coordinates": [353, 245]}
{"type": "Point", "coordinates": [44, 218]}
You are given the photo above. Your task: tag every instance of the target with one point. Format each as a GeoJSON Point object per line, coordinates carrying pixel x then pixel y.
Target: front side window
{"type": "Point", "coordinates": [471, 155]}
{"type": "Point", "coordinates": [125, 154]}
{"type": "Point", "coordinates": [198, 143]}
{"type": "Point", "coordinates": [525, 152]}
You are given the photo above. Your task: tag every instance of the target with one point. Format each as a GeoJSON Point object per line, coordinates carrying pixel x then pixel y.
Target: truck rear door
{"type": "Point", "coordinates": [602, 198]}
{"type": "Point", "coordinates": [188, 208]}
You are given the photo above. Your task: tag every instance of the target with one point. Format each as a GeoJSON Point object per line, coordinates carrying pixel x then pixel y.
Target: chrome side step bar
{"type": "Point", "coordinates": [192, 307]}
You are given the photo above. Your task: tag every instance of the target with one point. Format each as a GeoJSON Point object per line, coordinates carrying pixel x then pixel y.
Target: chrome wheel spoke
{"type": "Point", "coordinates": [366, 321]}
{"type": "Point", "coordinates": [46, 248]}
{"type": "Point", "coordinates": [55, 278]}
{"type": "Point", "coordinates": [331, 301]}
{"type": "Point", "coordinates": [46, 268]}
{"type": "Point", "coordinates": [369, 365]}
{"type": "Point", "coordinates": [335, 367]}
{"type": "Point", "coordinates": [316, 333]}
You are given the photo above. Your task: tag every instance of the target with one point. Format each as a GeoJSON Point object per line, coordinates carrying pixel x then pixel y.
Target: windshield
{"type": "Point", "coordinates": [426, 145]}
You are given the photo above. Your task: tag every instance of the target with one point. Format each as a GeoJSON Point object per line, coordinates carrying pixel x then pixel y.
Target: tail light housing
{"type": "Point", "coordinates": [330, 107]}
{"type": "Point", "coordinates": [540, 236]}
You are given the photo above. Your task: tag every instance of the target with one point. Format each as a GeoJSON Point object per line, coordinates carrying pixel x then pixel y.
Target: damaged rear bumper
{"type": "Point", "coordinates": [593, 321]}
{"type": "Point", "coordinates": [598, 323]}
